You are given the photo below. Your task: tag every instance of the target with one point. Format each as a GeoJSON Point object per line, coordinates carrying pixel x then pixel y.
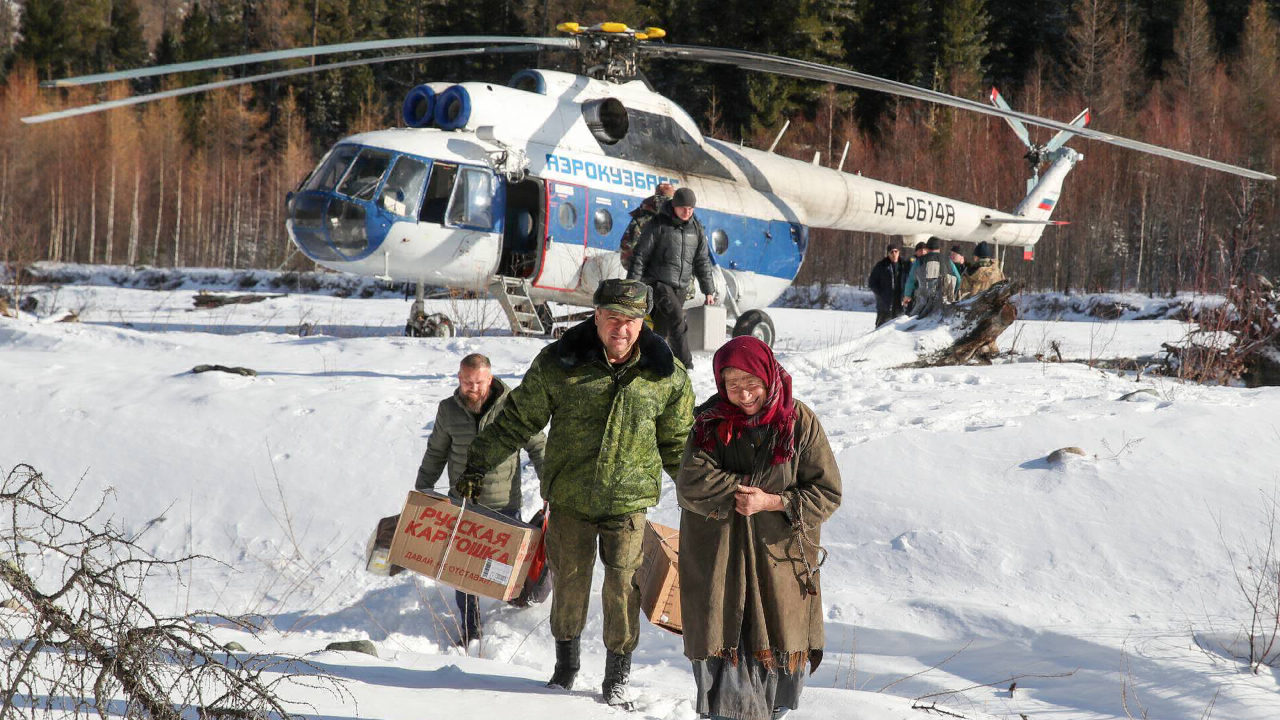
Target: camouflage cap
{"type": "Point", "coordinates": [629, 297]}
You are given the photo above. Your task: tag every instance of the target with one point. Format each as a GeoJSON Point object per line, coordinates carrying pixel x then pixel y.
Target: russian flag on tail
{"type": "Point", "coordinates": [1046, 204]}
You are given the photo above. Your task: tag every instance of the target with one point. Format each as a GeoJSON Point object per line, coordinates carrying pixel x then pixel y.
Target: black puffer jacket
{"type": "Point", "coordinates": [672, 252]}
{"type": "Point", "coordinates": [886, 281]}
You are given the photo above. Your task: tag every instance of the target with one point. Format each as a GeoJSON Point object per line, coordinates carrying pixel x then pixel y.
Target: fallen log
{"type": "Point", "coordinates": [975, 323]}
{"type": "Point", "coordinates": [247, 372]}
{"type": "Point", "coordinates": [205, 300]}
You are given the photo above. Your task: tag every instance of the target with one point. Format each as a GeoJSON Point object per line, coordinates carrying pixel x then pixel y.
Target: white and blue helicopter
{"type": "Point", "coordinates": [525, 189]}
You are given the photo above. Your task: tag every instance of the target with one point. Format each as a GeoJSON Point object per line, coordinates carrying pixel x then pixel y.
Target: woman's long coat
{"type": "Point", "coordinates": [755, 572]}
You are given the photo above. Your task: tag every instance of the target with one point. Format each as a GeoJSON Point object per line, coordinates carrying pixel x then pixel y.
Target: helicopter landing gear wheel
{"type": "Point", "coordinates": [756, 323]}
{"type": "Point", "coordinates": [437, 325]}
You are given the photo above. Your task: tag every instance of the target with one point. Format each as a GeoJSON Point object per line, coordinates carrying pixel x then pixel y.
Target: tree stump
{"type": "Point", "coordinates": [975, 323]}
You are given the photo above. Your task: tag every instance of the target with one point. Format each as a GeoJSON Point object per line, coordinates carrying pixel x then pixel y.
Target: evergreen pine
{"type": "Point", "coordinates": [127, 47]}
{"type": "Point", "coordinates": [8, 33]}
{"type": "Point", "coordinates": [46, 38]}
{"type": "Point", "coordinates": [893, 39]}
{"type": "Point", "coordinates": [1259, 73]}
{"type": "Point", "coordinates": [962, 47]}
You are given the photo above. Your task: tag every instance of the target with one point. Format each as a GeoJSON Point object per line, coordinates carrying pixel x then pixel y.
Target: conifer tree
{"type": "Point", "coordinates": [1259, 72]}
{"type": "Point", "coordinates": [8, 32]}
{"type": "Point", "coordinates": [1105, 63]}
{"type": "Point", "coordinates": [1021, 29]}
{"type": "Point", "coordinates": [127, 48]}
{"type": "Point", "coordinates": [334, 97]}
{"type": "Point", "coordinates": [962, 47]}
{"type": "Point", "coordinates": [892, 39]}
{"type": "Point", "coordinates": [46, 37]}
{"type": "Point", "coordinates": [1193, 47]}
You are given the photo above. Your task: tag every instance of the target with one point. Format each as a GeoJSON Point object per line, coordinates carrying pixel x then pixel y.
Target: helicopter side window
{"type": "Point", "coordinates": [720, 240]}
{"type": "Point", "coordinates": [363, 178]}
{"type": "Point", "coordinates": [472, 202]}
{"type": "Point", "coordinates": [326, 176]}
{"type": "Point", "coordinates": [404, 185]}
{"type": "Point", "coordinates": [438, 191]}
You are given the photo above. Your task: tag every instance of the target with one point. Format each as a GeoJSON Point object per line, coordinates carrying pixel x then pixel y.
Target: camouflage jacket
{"type": "Point", "coordinates": [980, 277]}
{"type": "Point", "coordinates": [613, 428]}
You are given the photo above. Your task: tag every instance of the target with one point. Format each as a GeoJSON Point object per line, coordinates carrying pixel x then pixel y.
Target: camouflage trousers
{"type": "Point", "coordinates": [572, 544]}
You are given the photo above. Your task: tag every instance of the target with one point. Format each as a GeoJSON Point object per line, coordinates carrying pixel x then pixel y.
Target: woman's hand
{"type": "Point", "coordinates": [750, 500]}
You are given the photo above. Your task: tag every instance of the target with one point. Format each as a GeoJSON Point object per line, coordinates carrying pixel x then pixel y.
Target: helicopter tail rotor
{"type": "Point", "coordinates": [1038, 155]}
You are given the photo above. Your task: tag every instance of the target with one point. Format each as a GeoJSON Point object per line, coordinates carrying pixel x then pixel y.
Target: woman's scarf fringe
{"type": "Point", "coordinates": [767, 658]}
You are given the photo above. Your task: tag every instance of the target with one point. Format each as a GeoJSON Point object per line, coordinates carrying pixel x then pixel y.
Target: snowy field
{"type": "Point", "coordinates": [960, 559]}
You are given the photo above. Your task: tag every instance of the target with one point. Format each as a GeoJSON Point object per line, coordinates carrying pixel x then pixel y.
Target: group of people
{"type": "Point", "coordinates": [754, 476]}
{"type": "Point", "coordinates": [927, 281]}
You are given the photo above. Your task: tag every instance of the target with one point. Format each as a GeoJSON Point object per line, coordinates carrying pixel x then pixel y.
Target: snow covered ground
{"type": "Point", "coordinates": [957, 540]}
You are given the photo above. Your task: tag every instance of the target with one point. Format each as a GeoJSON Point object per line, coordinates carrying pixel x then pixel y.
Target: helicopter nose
{"type": "Point", "coordinates": [330, 228]}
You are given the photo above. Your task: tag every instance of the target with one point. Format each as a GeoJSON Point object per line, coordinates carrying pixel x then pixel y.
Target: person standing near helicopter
{"type": "Point", "coordinates": [671, 251]}
{"type": "Point", "coordinates": [640, 219]}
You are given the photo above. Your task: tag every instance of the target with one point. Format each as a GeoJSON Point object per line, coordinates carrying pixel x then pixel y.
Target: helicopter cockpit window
{"type": "Point", "coordinates": [472, 202]}
{"type": "Point", "coordinates": [404, 185]}
{"type": "Point", "coordinates": [346, 221]}
{"type": "Point", "coordinates": [363, 178]}
{"type": "Point", "coordinates": [438, 191]}
{"type": "Point", "coordinates": [326, 177]}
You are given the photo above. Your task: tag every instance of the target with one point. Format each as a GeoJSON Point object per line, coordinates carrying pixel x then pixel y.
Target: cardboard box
{"type": "Point", "coordinates": [488, 555]}
{"type": "Point", "coordinates": [659, 577]}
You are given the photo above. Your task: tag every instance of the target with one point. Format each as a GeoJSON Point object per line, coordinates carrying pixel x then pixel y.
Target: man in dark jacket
{"type": "Point", "coordinates": [640, 218]}
{"type": "Point", "coordinates": [671, 251]}
{"type": "Point", "coordinates": [459, 418]}
{"type": "Point", "coordinates": [886, 282]}
{"type": "Point", "coordinates": [620, 409]}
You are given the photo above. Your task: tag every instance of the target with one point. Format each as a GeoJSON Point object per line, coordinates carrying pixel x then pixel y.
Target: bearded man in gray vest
{"type": "Point", "coordinates": [459, 418]}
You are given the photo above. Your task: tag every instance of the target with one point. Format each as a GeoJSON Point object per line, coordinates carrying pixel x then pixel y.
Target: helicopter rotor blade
{"type": "Point", "coordinates": [235, 60]}
{"type": "Point", "coordinates": [1019, 128]}
{"type": "Point", "coordinates": [840, 76]}
{"type": "Point", "coordinates": [193, 89]}
{"type": "Point", "coordinates": [1064, 135]}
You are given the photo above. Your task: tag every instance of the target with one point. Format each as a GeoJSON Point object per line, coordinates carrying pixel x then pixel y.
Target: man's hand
{"type": "Point", "coordinates": [906, 301]}
{"type": "Point", "coordinates": [711, 299]}
{"type": "Point", "coordinates": [471, 482]}
{"type": "Point", "coordinates": [750, 500]}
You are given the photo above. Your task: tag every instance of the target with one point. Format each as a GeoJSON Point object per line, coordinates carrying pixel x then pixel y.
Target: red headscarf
{"type": "Point", "coordinates": [724, 420]}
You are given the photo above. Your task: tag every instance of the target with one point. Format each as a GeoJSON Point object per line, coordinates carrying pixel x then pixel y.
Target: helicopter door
{"type": "Point", "coordinates": [564, 246]}
{"type": "Point", "coordinates": [523, 228]}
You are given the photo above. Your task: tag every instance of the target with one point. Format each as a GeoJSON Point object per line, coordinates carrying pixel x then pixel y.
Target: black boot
{"type": "Point", "coordinates": [566, 665]}
{"type": "Point", "coordinates": [617, 673]}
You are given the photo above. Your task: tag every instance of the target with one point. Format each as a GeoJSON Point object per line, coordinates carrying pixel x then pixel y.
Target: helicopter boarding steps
{"type": "Point", "coordinates": [512, 293]}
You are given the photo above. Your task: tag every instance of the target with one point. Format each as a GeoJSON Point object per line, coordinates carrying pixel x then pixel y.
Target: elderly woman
{"type": "Point", "coordinates": [757, 481]}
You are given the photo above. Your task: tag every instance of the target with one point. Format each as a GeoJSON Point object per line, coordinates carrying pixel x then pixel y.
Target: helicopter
{"type": "Point", "coordinates": [525, 189]}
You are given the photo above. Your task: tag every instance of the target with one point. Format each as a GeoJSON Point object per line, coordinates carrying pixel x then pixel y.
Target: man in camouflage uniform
{"type": "Point", "coordinates": [620, 407]}
{"type": "Point", "coordinates": [640, 217]}
{"type": "Point", "coordinates": [983, 273]}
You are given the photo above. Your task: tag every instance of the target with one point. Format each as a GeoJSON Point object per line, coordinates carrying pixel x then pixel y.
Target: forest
{"type": "Point", "coordinates": [202, 180]}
